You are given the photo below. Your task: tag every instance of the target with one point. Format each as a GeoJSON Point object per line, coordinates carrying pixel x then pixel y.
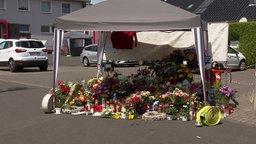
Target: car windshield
{"type": "Point", "coordinates": [30, 44]}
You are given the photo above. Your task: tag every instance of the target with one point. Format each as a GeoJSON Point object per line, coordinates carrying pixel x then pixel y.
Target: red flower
{"type": "Point", "coordinates": [60, 82]}
{"type": "Point", "coordinates": [136, 100]}
{"type": "Point", "coordinates": [65, 89]}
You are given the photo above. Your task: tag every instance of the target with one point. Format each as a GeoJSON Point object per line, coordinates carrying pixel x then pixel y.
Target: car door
{"type": "Point", "coordinates": [5, 51]}
{"type": "Point", "coordinates": [1, 52]}
{"type": "Point", "coordinates": [91, 53]}
{"type": "Point", "coordinates": [233, 58]}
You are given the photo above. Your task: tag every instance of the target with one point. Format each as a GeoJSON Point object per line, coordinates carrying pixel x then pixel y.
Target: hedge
{"type": "Point", "coordinates": [245, 33]}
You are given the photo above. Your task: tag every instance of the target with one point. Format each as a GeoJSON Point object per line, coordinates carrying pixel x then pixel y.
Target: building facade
{"type": "Point", "coordinates": [34, 18]}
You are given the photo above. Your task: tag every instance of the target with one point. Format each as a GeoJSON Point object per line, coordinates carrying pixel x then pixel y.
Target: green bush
{"type": "Point", "coordinates": [245, 33]}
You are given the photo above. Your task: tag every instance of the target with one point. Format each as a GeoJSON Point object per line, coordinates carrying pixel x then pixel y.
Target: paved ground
{"type": "Point", "coordinates": [244, 83]}
{"type": "Point", "coordinates": [22, 121]}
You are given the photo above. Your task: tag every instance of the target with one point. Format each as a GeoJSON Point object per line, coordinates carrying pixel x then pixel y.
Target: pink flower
{"type": "Point", "coordinates": [226, 90]}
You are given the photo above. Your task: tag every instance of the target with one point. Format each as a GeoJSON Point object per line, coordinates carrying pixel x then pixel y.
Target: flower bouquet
{"type": "Point", "coordinates": [139, 101]}
{"type": "Point", "coordinates": [184, 112]}
{"type": "Point", "coordinates": [171, 112]}
{"type": "Point", "coordinates": [224, 95]}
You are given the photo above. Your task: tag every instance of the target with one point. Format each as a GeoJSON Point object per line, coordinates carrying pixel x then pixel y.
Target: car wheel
{"type": "Point", "coordinates": [242, 65]}
{"type": "Point", "coordinates": [43, 68]}
{"type": "Point", "coordinates": [12, 65]}
{"type": "Point", "coordinates": [86, 62]}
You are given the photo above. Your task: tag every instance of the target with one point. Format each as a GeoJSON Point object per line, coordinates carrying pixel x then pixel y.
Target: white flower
{"type": "Point", "coordinates": [123, 110]}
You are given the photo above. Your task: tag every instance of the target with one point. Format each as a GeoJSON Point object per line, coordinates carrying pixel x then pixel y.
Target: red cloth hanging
{"type": "Point", "coordinates": [123, 40]}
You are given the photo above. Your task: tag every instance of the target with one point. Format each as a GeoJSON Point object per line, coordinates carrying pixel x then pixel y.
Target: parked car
{"type": "Point", "coordinates": [1, 40]}
{"type": "Point", "coordinates": [20, 53]}
{"type": "Point", "coordinates": [88, 57]}
{"type": "Point", "coordinates": [236, 59]}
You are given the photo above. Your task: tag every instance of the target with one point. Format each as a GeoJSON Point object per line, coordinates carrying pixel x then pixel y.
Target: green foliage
{"type": "Point", "coordinates": [184, 112]}
{"type": "Point", "coordinates": [245, 33]}
{"type": "Point", "coordinates": [171, 110]}
{"type": "Point", "coordinates": [58, 103]}
{"type": "Point", "coordinates": [224, 95]}
{"type": "Point", "coordinates": [219, 97]}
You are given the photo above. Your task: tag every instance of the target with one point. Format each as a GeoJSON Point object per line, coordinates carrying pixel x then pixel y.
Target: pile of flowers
{"type": "Point", "coordinates": [69, 94]}
{"type": "Point", "coordinates": [137, 103]}
{"type": "Point", "coordinates": [166, 86]}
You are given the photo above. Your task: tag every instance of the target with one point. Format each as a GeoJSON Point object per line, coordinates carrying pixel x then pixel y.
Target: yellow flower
{"type": "Point", "coordinates": [180, 75]}
{"type": "Point", "coordinates": [190, 75]}
{"type": "Point", "coordinates": [116, 116]}
{"type": "Point", "coordinates": [147, 93]}
{"type": "Point", "coordinates": [130, 116]}
{"type": "Point", "coordinates": [179, 70]}
{"type": "Point", "coordinates": [183, 66]}
{"type": "Point", "coordinates": [92, 80]}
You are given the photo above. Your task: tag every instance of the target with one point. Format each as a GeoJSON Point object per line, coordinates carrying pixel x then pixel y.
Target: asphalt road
{"type": "Point", "coordinates": [23, 122]}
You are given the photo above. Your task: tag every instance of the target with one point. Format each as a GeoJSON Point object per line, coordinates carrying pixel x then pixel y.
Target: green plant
{"type": "Point", "coordinates": [223, 95]}
{"type": "Point", "coordinates": [244, 33]}
{"type": "Point", "coordinates": [58, 103]}
{"type": "Point", "coordinates": [184, 111]}
{"type": "Point", "coordinates": [171, 110]}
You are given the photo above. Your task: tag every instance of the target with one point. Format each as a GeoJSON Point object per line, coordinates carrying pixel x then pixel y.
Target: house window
{"type": "Point", "coordinates": [47, 29]}
{"type": "Point", "coordinates": [23, 5]}
{"type": "Point", "coordinates": [2, 4]}
{"type": "Point", "coordinates": [46, 6]}
{"type": "Point", "coordinates": [24, 29]}
{"type": "Point", "coordinates": [66, 8]}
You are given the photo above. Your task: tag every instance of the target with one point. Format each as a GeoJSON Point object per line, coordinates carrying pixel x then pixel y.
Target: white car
{"type": "Point", "coordinates": [89, 56]}
{"type": "Point", "coordinates": [20, 53]}
{"type": "Point", "coordinates": [236, 59]}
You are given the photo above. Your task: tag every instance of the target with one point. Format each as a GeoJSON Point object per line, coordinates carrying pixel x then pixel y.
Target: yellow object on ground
{"type": "Point", "coordinates": [130, 116]}
{"type": "Point", "coordinates": [208, 115]}
{"type": "Point", "coordinates": [116, 116]}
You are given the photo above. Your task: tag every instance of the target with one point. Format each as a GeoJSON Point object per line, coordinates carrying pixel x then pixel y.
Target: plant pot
{"type": "Point", "coordinates": [57, 110]}
{"type": "Point", "coordinates": [184, 118]}
{"type": "Point", "coordinates": [170, 117]}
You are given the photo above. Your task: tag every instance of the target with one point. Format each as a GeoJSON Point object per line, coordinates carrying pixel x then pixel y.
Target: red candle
{"type": "Point", "coordinates": [99, 108]}
{"type": "Point", "coordinates": [95, 107]}
{"type": "Point", "coordinates": [86, 109]}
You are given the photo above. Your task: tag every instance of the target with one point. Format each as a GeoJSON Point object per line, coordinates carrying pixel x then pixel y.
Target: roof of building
{"type": "Point", "coordinates": [219, 10]}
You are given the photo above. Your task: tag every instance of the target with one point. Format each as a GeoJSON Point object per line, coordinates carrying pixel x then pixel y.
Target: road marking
{"type": "Point", "coordinates": [29, 84]}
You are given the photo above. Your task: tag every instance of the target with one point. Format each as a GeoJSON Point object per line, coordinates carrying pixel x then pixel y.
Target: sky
{"type": "Point", "coordinates": [95, 1]}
